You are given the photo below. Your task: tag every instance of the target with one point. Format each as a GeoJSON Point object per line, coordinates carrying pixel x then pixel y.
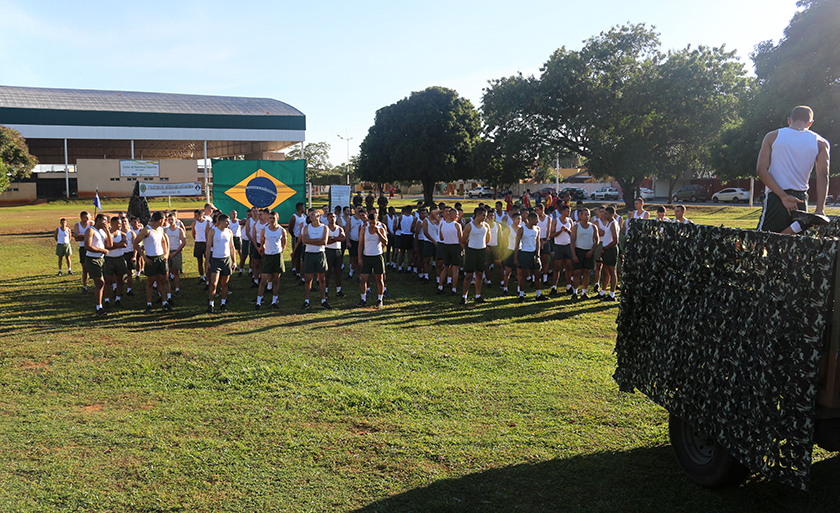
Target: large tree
{"type": "Point", "coordinates": [426, 137]}
{"type": "Point", "coordinates": [801, 69]}
{"type": "Point", "coordinates": [630, 110]}
{"type": "Point", "coordinates": [317, 156]}
{"type": "Point", "coordinates": [15, 161]}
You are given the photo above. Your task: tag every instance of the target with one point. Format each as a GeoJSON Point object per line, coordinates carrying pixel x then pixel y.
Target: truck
{"type": "Point", "coordinates": [737, 334]}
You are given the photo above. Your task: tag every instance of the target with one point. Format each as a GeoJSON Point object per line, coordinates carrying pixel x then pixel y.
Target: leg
{"type": "Point", "coordinates": [322, 285]}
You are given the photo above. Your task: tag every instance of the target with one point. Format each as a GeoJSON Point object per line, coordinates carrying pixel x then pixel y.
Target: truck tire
{"type": "Point", "coordinates": [704, 461]}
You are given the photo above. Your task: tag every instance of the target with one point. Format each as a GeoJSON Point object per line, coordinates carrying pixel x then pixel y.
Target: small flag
{"type": "Point", "coordinates": [96, 203]}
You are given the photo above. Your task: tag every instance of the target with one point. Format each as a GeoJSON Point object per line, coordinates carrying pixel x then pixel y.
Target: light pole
{"type": "Point", "coordinates": [348, 139]}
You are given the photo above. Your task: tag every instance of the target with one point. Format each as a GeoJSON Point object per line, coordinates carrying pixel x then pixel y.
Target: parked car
{"type": "Point", "coordinates": [605, 193]}
{"type": "Point", "coordinates": [691, 193]}
{"type": "Point", "coordinates": [480, 192]}
{"type": "Point", "coordinates": [576, 193]}
{"type": "Point", "coordinates": [732, 194]}
{"type": "Point", "coordinates": [646, 194]}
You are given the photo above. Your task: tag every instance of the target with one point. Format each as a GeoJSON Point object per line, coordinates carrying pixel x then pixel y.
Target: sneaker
{"type": "Point", "coordinates": [59, 273]}
{"type": "Point", "coordinates": [340, 294]}
{"type": "Point", "coordinates": [148, 310]}
{"type": "Point", "coordinates": [84, 290]}
{"type": "Point", "coordinates": [441, 292]}
{"type": "Point", "coordinates": [70, 272]}
{"type": "Point", "coordinates": [609, 299]}
{"type": "Point", "coordinates": [201, 281]}
{"type": "Point", "coordinates": [167, 307]}
{"type": "Point", "coordinates": [210, 309]}
{"type": "Point", "coordinates": [571, 292]}
{"type": "Point", "coordinates": [118, 303]}
{"type": "Point", "coordinates": [171, 303]}
{"type": "Point", "coordinates": [254, 285]}
{"type": "Point", "coordinates": [583, 297]}
{"type": "Point", "coordinates": [305, 305]}
{"type": "Point", "coordinates": [386, 293]}
{"type": "Point", "coordinates": [325, 305]}
{"type": "Point", "coordinates": [106, 305]}
{"type": "Point", "coordinates": [223, 308]}
{"type": "Point", "coordinates": [379, 303]}
{"type": "Point", "coordinates": [361, 303]}
{"type": "Point", "coordinates": [521, 299]}
{"type": "Point", "coordinates": [463, 300]}
{"type": "Point", "coordinates": [574, 296]}
{"type": "Point", "coordinates": [554, 293]}
{"type": "Point", "coordinates": [130, 293]}
{"type": "Point", "coordinates": [258, 307]}
{"type": "Point", "coordinates": [177, 293]}
{"type": "Point", "coordinates": [504, 292]}
{"type": "Point", "coordinates": [480, 300]}
{"type": "Point", "coordinates": [240, 273]}
{"type": "Point", "coordinates": [596, 288]}
{"type": "Point", "coordinates": [101, 312]}
{"type": "Point", "coordinates": [275, 306]}
{"type": "Point", "coordinates": [542, 297]}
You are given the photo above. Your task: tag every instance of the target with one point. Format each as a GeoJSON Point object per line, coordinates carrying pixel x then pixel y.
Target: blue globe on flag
{"type": "Point", "coordinates": [261, 192]}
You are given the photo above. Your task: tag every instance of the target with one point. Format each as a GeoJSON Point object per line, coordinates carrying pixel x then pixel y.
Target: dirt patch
{"type": "Point", "coordinates": [29, 365]}
{"type": "Point", "coordinates": [93, 408]}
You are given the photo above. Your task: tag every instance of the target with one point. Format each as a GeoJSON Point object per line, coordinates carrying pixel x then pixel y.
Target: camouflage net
{"type": "Point", "coordinates": [138, 206]}
{"type": "Point", "coordinates": [724, 329]}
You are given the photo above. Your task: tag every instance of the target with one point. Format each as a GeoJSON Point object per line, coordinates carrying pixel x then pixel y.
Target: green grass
{"type": "Point", "coordinates": [422, 405]}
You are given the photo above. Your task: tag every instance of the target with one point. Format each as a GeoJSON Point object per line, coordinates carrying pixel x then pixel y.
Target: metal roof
{"type": "Point", "coordinates": [131, 101]}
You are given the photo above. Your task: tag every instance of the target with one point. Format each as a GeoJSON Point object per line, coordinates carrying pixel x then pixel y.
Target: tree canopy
{"type": "Point", "coordinates": [426, 137]}
{"type": "Point", "coordinates": [15, 161]}
{"type": "Point", "coordinates": [317, 156]}
{"type": "Point", "coordinates": [801, 69]}
{"type": "Point", "coordinates": [630, 110]}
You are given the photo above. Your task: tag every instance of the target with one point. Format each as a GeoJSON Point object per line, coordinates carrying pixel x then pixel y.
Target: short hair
{"type": "Point", "coordinates": [533, 215]}
{"type": "Point", "coordinates": [478, 210]}
{"type": "Point", "coordinates": [209, 205]}
{"type": "Point", "coordinates": [100, 217]}
{"type": "Point", "coordinates": [276, 214]}
{"type": "Point", "coordinates": [197, 211]}
{"type": "Point", "coordinates": [222, 217]}
{"type": "Point", "coordinates": [660, 208]}
{"type": "Point", "coordinates": [298, 205]}
{"type": "Point", "coordinates": [84, 213]}
{"type": "Point", "coordinates": [611, 209]}
{"type": "Point", "coordinates": [540, 206]}
{"type": "Point", "coordinates": [158, 216]}
{"type": "Point", "coordinates": [62, 220]}
{"type": "Point", "coordinates": [441, 205]}
{"type": "Point", "coordinates": [498, 203]}
{"type": "Point", "coordinates": [565, 208]}
{"type": "Point", "coordinates": [802, 113]}
{"type": "Point", "coordinates": [513, 214]}
{"type": "Point", "coordinates": [457, 205]}
{"type": "Point", "coordinates": [680, 206]}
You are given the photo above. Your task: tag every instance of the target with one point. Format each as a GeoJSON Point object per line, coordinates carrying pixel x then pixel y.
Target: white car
{"type": "Point", "coordinates": [646, 194]}
{"type": "Point", "coordinates": [732, 194]}
{"type": "Point", "coordinates": [480, 192]}
{"type": "Point", "coordinates": [605, 193]}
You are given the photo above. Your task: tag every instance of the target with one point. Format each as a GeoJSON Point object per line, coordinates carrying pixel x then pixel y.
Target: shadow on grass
{"type": "Point", "coordinates": [48, 304]}
{"type": "Point", "coordinates": [645, 479]}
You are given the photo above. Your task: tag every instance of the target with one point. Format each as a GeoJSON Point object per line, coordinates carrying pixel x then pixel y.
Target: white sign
{"type": "Point", "coordinates": [139, 168]}
{"type": "Point", "coordinates": [339, 195]}
{"type": "Point", "coordinates": [170, 189]}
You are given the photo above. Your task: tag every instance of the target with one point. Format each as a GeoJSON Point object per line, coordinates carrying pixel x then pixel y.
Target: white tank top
{"type": "Point", "coordinates": [494, 234]}
{"type": "Point", "coordinates": [514, 230]}
{"type": "Point", "coordinates": [117, 238]}
{"type": "Point", "coordinates": [389, 223]}
{"type": "Point", "coordinates": [236, 228]}
{"type": "Point", "coordinates": [134, 234]}
{"type": "Point", "coordinates": [449, 233]}
{"type": "Point", "coordinates": [259, 226]}
{"type": "Point", "coordinates": [477, 237]}
{"type": "Point", "coordinates": [355, 226]}
{"type": "Point", "coordinates": [544, 225]}
{"type": "Point", "coordinates": [373, 246]}
{"type": "Point", "coordinates": [529, 238]}
{"type": "Point", "coordinates": [97, 241]}
{"type": "Point", "coordinates": [434, 230]}
{"type": "Point", "coordinates": [583, 239]}
{"type": "Point", "coordinates": [405, 224]}
{"type": "Point", "coordinates": [129, 242]}
{"type": "Point", "coordinates": [156, 247]}
{"type": "Point", "coordinates": [334, 233]}
{"type": "Point", "coordinates": [607, 239]}
{"type": "Point", "coordinates": [564, 238]}
{"type": "Point", "coordinates": [273, 240]}
{"type": "Point", "coordinates": [637, 214]}
{"type": "Point", "coordinates": [221, 243]}
{"type": "Point", "coordinates": [64, 236]}
{"type": "Point", "coordinates": [81, 229]}
{"type": "Point", "coordinates": [174, 237]}
{"type": "Point", "coordinates": [315, 233]}
{"type": "Point", "coordinates": [793, 157]}
{"type": "Point", "coordinates": [201, 230]}
{"type": "Point", "coordinates": [244, 230]}
{"type": "Point", "coordinates": [300, 222]}
{"type": "Point", "coordinates": [601, 227]}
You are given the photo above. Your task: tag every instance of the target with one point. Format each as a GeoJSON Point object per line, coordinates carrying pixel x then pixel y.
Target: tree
{"type": "Point", "coordinates": [495, 169]}
{"type": "Point", "coordinates": [426, 137]}
{"type": "Point", "coordinates": [628, 109]}
{"type": "Point", "coordinates": [802, 69]}
{"type": "Point", "coordinates": [317, 156]}
{"type": "Point", "coordinates": [15, 161]}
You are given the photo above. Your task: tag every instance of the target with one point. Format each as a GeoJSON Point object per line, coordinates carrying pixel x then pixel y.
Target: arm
{"type": "Point", "coordinates": [208, 252]}
{"type": "Point", "coordinates": [109, 241]}
{"type": "Point", "coordinates": [361, 245]}
{"type": "Point", "coordinates": [118, 245]}
{"type": "Point", "coordinates": [183, 239]}
{"type": "Point", "coordinates": [192, 229]}
{"type": "Point", "coordinates": [516, 246]}
{"type": "Point", "coordinates": [261, 249]}
{"type": "Point", "coordinates": [763, 171]}
{"type": "Point", "coordinates": [383, 234]}
{"type": "Point", "coordinates": [464, 237]}
{"type": "Point", "coordinates": [614, 237]}
{"type": "Point", "coordinates": [55, 235]}
{"type": "Point", "coordinates": [595, 240]}
{"type": "Point", "coordinates": [426, 230]}
{"type": "Point", "coordinates": [232, 247]}
{"type": "Point", "coordinates": [574, 238]}
{"type": "Point", "coordinates": [821, 167]}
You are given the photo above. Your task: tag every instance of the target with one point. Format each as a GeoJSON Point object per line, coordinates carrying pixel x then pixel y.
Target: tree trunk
{"type": "Point", "coordinates": [428, 192]}
{"type": "Point", "coordinates": [628, 190]}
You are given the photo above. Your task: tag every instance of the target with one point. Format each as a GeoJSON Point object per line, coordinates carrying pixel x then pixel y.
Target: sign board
{"type": "Point", "coordinates": [273, 184]}
{"type": "Point", "coordinates": [139, 168]}
{"type": "Point", "coordinates": [339, 195]}
{"type": "Point", "coordinates": [170, 189]}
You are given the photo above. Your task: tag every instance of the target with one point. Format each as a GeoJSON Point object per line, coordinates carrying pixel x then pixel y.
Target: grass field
{"type": "Point", "coordinates": [423, 405]}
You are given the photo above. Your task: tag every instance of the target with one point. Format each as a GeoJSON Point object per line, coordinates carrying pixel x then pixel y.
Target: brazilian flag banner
{"type": "Point", "coordinates": [272, 184]}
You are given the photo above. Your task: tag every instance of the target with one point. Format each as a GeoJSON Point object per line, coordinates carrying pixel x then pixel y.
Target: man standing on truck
{"type": "Point", "coordinates": [784, 165]}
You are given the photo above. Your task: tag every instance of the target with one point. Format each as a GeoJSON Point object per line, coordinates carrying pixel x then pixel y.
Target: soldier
{"type": "Point", "coordinates": [219, 255]}
{"type": "Point", "coordinates": [97, 240]}
{"type": "Point", "coordinates": [79, 230]}
{"type": "Point", "coordinates": [153, 245]}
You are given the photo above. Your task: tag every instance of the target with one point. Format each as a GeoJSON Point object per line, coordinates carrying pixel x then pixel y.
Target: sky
{"type": "Point", "coordinates": [338, 62]}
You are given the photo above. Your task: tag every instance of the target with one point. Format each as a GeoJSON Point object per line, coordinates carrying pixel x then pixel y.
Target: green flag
{"type": "Point", "coordinates": [272, 184]}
